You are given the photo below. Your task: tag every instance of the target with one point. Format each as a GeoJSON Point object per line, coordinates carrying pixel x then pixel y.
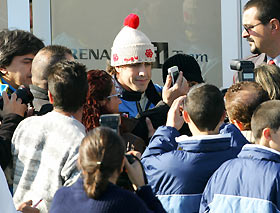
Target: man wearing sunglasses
{"type": "Point", "coordinates": [262, 30]}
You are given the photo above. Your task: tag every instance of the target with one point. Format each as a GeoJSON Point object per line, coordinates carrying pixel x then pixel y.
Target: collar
{"type": "Point", "coordinates": [204, 143]}
{"type": "Point", "coordinates": [276, 60]}
{"type": "Point", "coordinates": [39, 92]}
{"type": "Point", "coordinates": [5, 86]}
{"type": "Point", "coordinates": [126, 95]}
{"type": "Point", "coordinates": [256, 151]}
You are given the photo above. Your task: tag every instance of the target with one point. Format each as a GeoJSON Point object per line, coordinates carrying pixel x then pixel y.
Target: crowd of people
{"type": "Point", "coordinates": [183, 147]}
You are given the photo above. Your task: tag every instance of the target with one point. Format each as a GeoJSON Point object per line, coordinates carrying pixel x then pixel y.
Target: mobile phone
{"type": "Point", "coordinates": [110, 120]}
{"type": "Point", "coordinates": [174, 72]}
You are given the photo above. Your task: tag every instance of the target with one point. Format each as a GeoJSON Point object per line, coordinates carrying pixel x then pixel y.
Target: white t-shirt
{"type": "Point", "coordinates": [6, 200]}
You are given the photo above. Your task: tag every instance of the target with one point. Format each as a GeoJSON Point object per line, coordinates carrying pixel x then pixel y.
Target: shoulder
{"type": "Point", "coordinates": [158, 87]}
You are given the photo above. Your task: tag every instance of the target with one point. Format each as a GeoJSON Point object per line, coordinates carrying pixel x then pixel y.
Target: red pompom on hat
{"type": "Point", "coordinates": [132, 20]}
{"type": "Point", "coordinates": [131, 45]}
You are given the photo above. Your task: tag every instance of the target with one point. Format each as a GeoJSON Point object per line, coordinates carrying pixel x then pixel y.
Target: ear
{"type": "Point", "coordinates": [186, 116]}
{"type": "Point", "coordinates": [223, 116]}
{"type": "Point", "coordinates": [50, 97]}
{"type": "Point", "coordinates": [266, 133]}
{"type": "Point", "coordinates": [3, 71]}
{"type": "Point", "coordinates": [118, 69]}
{"type": "Point", "coordinates": [275, 25]}
{"type": "Point", "coordinates": [238, 124]}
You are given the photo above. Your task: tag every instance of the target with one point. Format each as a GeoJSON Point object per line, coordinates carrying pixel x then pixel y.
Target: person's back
{"type": "Point", "coordinates": [101, 160]}
{"type": "Point", "coordinates": [178, 169]}
{"type": "Point", "coordinates": [45, 148]}
{"type": "Point", "coordinates": [250, 183]}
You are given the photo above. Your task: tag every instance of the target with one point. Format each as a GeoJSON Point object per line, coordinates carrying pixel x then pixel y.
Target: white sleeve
{"type": "Point", "coordinates": [6, 200]}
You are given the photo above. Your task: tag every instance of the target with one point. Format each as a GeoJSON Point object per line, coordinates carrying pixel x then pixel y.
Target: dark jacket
{"type": "Point", "coordinates": [179, 170]}
{"type": "Point", "coordinates": [7, 128]}
{"type": "Point", "coordinates": [249, 183]}
{"type": "Point", "coordinates": [74, 199]}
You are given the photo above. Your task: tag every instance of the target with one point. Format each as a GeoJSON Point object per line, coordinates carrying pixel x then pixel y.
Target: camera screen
{"type": "Point", "coordinates": [248, 76]}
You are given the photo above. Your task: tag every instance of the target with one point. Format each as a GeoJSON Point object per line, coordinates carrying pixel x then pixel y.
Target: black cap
{"type": "Point", "coordinates": [187, 64]}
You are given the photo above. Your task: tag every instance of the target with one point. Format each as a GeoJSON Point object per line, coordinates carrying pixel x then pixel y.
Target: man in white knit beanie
{"type": "Point", "coordinates": [132, 56]}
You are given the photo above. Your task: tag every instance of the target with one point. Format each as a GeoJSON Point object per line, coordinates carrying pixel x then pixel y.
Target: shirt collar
{"type": "Point", "coordinates": [276, 60]}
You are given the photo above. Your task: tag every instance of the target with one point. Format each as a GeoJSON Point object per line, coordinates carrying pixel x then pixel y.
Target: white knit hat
{"type": "Point", "coordinates": [131, 45]}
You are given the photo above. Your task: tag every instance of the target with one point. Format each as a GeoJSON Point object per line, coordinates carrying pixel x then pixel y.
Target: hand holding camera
{"type": "Point", "coordinates": [13, 105]}
{"type": "Point", "coordinates": [134, 169]}
{"type": "Point", "coordinates": [176, 85]}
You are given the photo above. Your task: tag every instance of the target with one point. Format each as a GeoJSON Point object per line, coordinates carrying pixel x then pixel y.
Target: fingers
{"type": "Point", "coordinates": [180, 79]}
{"type": "Point", "coordinates": [135, 173]}
{"type": "Point", "coordinates": [135, 153]}
{"type": "Point", "coordinates": [5, 97]}
{"type": "Point", "coordinates": [178, 102]}
{"type": "Point", "coordinates": [28, 203]}
{"type": "Point", "coordinates": [168, 81]}
{"type": "Point", "coordinates": [24, 204]}
{"type": "Point", "coordinates": [150, 127]}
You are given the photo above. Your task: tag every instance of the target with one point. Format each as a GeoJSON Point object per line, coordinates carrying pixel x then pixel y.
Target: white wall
{"type": "Point", "coordinates": [42, 20]}
{"type": "Point", "coordinates": [231, 37]}
{"type": "Point", "coordinates": [18, 14]}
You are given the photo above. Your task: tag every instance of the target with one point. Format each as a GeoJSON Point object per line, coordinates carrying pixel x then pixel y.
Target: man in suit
{"type": "Point", "coordinates": [261, 22]}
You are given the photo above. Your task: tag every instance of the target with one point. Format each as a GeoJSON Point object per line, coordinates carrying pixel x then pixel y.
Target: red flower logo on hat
{"type": "Point", "coordinates": [115, 57]}
{"type": "Point", "coordinates": [149, 53]}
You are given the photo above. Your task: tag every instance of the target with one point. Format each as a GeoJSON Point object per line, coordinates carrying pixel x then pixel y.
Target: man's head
{"type": "Point", "coordinates": [262, 28]}
{"type": "Point", "coordinates": [17, 50]}
{"type": "Point", "coordinates": [241, 100]}
{"type": "Point", "coordinates": [44, 59]}
{"type": "Point", "coordinates": [132, 56]}
{"type": "Point", "coordinates": [265, 124]}
{"type": "Point", "coordinates": [204, 105]}
{"type": "Point", "coordinates": [67, 84]}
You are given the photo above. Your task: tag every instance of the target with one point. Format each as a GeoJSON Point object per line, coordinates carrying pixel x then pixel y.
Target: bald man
{"type": "Point", "coordinates": [41, 64]}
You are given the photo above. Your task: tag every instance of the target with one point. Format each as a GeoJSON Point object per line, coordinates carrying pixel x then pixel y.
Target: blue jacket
{"type": "Point", "coordinates": [237, 138]}
{"type": "Point", "coordinates": [178, 172]}
{"type": "Point", "coordinates": [249, 183]}
{"type": "Point", "coordinates": [115, 199]}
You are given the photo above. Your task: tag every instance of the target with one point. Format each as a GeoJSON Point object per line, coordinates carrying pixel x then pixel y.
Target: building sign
{"type": "Point", "coordinates": [181, 26]}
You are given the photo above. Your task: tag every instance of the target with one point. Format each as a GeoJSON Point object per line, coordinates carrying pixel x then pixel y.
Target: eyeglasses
{"type": "Point", "coordinates": [115, 95]}
{"type": "Point", "coordinates": [248, 28]}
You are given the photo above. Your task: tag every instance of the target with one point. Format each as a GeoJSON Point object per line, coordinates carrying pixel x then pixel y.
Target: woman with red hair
{"type": "Point", "coordinates": [103, 99]}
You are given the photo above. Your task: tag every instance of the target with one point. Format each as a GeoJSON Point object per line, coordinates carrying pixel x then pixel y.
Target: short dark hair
{"type": "Point", "coordinates": [17, 43]}
{"type": "Point", "coordinates": [67, 83]}
{"type": "Point", "coordinates": [242, 99]}
{"type": "Point", "coordinates": [100, 155]}
{"type": "Point", "coordinates": [40, 69]}
{"type": "Point", "coordinates": [267, 115]}
{"type": "Point", "coordinates": [205, 105]}
{"type": "Point", "coordinates": [267, 9]}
